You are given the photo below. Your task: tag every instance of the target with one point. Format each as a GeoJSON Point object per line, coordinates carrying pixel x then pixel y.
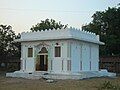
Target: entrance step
{"type": "Point", "coordinates": [46, 75]}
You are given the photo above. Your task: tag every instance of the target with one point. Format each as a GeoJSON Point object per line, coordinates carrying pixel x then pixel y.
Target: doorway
{"type": "Point", "coordinates": [42, 60]}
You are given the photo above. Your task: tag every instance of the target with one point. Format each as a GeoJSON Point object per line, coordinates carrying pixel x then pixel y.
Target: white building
{"type": "Point", "coordinates": [62, 51]}
{"type": "Point", "coordinates": [59, 51]}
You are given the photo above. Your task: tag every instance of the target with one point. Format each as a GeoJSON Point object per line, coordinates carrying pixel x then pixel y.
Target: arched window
{"type": "Point", "coordinates": [43, 50]}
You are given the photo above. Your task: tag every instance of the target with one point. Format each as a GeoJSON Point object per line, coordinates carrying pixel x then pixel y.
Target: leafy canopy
{"type": "Point", "coordinates": [107, 25]}
{"type": "Point", "coordinates": [48, 24]}
{"type": "Point", "coordinates": [8, 48]}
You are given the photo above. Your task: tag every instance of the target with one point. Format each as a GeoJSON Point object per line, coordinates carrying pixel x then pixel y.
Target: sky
{"type": "Point", "coordinates": [22, 14]}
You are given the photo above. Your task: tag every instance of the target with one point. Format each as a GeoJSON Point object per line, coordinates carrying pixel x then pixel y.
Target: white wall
{"type": "Point", "coordinates": [28, 64]}
{"type": "Point", "coordinates": [85, 59]}
{"type": "Point", "coordinates": [57, 61]}
{"type": "Point", "coordinates": [95, 57]}
{"type": "Point", "coordinates": [70, 50]}
{"type": "Point", "coordinates": [84, 55]}
{"type": "Point", "coordinates": [75, 60]}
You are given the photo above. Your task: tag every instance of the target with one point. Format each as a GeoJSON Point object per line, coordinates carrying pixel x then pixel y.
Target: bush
{"type": "Point", "coordinates": [107, 85]}
{"type": "Point", "coordinates": [13, 67]}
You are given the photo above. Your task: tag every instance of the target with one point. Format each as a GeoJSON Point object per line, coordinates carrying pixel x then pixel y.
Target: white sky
{"type": "Point", "coordinates": [22, 14]}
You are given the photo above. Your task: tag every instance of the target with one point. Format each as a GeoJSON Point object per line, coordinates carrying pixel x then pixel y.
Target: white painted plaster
{"type": "Point", "coordinates": [75, 46]}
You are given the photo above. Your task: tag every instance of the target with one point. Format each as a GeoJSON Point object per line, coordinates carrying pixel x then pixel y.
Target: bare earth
{"type": "Point", "coordinates": [27, 84]}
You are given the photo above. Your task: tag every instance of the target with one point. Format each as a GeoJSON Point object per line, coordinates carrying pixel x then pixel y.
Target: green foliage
{"type": "Point", "coordinates": [13, 67]}
{"type": "Point", "coordinates": [107, 85]}
{"type": "Point", "coordinates": [48, 24]}
{"type": "Point", "coordinates": [8, 48]}
{"type": "Point", "coordinates": [107, 25]}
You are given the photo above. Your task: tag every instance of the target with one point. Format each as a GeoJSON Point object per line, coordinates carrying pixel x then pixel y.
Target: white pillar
{"type": "Point", "coordinates": [21, 64]}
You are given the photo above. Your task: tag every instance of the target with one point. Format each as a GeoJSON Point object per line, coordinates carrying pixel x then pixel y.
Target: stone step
{"type": "Point", "coordinates": [80, 75]}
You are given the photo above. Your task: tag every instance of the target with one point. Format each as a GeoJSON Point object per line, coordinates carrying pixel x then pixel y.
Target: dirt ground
{"type": "Point", "coordinates": [27, 84]}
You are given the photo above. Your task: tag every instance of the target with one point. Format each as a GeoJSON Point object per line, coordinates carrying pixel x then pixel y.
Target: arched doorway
{"type": "Point", "coordinates": [42, 60]}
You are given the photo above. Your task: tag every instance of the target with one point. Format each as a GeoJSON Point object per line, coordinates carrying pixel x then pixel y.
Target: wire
{"type": "Point", "coordinates": [11, 9]}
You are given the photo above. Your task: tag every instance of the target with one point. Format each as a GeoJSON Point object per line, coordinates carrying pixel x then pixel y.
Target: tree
{"type": "Point", "coordinates": [48, 24]}
{"type": "Point", "coordinates": [8, 48]}
{"type": "Point", "coordinates": [107, 25]}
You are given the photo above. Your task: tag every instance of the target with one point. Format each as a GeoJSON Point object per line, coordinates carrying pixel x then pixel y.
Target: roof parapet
{"type": "Point", "coordinates": [66, 33]}
{"type": "Point", "coordinates": [71, 28]}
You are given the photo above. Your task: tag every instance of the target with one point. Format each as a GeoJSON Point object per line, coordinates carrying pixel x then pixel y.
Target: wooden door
{"type": "Point", "coordinates": [45, 62]}
{"type": "Point", "coordinates": [38, 63]}
{"type": "Point", "coordinates": [42, 63]}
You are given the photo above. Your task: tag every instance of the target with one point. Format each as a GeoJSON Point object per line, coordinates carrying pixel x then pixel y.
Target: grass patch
{"type": "Point", "coordinates": [107, 85]}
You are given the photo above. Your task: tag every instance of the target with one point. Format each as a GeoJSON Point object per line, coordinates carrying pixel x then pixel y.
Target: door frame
{"type": "Point", "coordinates": [45, 54]}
